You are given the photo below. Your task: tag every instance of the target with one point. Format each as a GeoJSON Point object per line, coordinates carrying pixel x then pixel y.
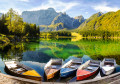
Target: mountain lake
{"type": "Point", "coordinates": [37, 52]}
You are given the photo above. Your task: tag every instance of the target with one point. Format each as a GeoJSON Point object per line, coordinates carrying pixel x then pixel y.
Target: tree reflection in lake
{"type": "Point", "coordinates": [61, 48]}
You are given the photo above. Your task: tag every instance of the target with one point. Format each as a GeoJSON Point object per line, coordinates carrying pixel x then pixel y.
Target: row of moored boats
{"type": "Point", "coordinates": [56, 67]}
{"type": "Point", "coordinates": [76, 66]}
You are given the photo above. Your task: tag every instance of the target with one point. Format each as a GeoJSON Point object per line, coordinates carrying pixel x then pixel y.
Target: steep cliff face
{"type": "Point", "coordinates": [41, 17]}
{"type": "Point", "coordinates": [78, 21]}
{"type": "Point", "coordinates": [69, 23]}
{"type": "Point", "coordinates": [65, 19]}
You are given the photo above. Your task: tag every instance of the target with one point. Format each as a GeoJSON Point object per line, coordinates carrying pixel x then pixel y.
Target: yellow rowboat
{"type": "Point", "coordinates": [52, 68]}
{"type": "Point", "coordinates": [16, 69]}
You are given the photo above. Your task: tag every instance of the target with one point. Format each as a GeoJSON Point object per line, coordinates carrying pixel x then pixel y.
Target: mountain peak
{"type": "Point", "coordinates": [79, 17]}
{"type": "Point", "coordinates": [64, 18]}
{"type": "Point", "coordinates": [40, 17]}
{"type": "Point", "coordinates": [100, 13]}
{"type": "Point", "coordinates": [51, 9]}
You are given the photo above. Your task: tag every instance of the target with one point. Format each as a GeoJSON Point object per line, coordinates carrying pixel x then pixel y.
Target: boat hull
{"type": "Point", "coordinates": [107, 72]}
{"type": "Point", "coordinates": [68, 73]}
{"type": "Point", "coordinates": [82, 77]}
{"type": "Point", "coordinates": [23, 76]}
{"type": "Point", "coordinates": [52, 75]}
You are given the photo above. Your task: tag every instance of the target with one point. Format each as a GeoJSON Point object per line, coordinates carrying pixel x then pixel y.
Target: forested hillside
{"type": "Point", "coordinates": [107, 25]}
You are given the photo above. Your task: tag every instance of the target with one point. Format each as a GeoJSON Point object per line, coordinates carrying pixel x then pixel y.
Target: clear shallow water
{"type": "Point", "coordinates": [37, 53]}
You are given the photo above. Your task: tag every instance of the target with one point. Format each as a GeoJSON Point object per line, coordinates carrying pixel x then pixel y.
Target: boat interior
{"type": "Point", "coordinates": [55, 65]}
{"type": "Point", "coordinates": [75, 63]}
{"type": "Point", "coordinates": [109, 62]}
{"type": "Point", "coordinates": [91, 66]}
{"type": "Point", "coordinates": [17, 68]}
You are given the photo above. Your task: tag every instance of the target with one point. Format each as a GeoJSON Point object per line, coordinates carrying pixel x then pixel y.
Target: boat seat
{"type": "Point", "coordinates": [19, 69]}
{"type": "Point", "coordinates": [92, 64]}
{"type": "Point", "coordinates": [77, 62]}
{"type": "Point", "coordinates": [11, 62]}
{"type": "Point", "coordinates": [72, 67]}
{"type": "Point", "coordinates": [75, 66]}
{"type": "Point", "coordinates": [90, 68]}
{"type": "Point", "coordinates": [109, 63]}
{"type": "Point", "coordinates": [107, 68]}
{"type": "Point", "coordinates": [12, 65]}
{"type": "Point", "coordinates": [54, 67]}
{"type": "Point", "coordinates": [109, 60]}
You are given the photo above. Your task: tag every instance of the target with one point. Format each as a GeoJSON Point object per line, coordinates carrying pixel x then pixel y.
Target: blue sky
{"type": "Point", "coordinates": [71, 7]}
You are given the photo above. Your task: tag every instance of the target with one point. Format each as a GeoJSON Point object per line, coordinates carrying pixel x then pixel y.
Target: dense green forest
{"type": "Point", "coordinates": [55, 34]}
{"type": "Point", "coordinates": [11, 24]}
{"type": "Point", "coordinates": [105, 26]}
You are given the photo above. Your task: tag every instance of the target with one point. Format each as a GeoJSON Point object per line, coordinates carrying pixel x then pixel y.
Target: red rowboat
{"type": "Point", "coordinates": [88, 69]}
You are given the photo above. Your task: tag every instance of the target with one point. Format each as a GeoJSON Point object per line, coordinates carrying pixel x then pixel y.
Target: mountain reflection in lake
{"type": "Point", "coordinates": [37, 53]}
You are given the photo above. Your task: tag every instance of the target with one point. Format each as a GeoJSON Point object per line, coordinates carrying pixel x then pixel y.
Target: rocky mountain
{"type": "Point", "coordinates": [65, 19]}
{"type": "Point", "coordinates": [50, 20]}
{"type": "Point", "coordinates": [78, 21]}
{"type": "Point", "coordinates": [69, 23]}
{"type": "Point", "coordinates": [40, 17]}
{"type": "Point", "coordinates": [63, 22]}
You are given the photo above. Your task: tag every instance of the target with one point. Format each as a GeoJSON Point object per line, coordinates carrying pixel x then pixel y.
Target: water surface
{"type": "Point", "coordinates": [36, 53]}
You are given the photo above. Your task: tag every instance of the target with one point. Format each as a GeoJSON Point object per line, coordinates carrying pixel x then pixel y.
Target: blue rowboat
{"type": "Point", "coordinates": [70, 67]}
{"type": "Point", "coordinates": [66, 72]}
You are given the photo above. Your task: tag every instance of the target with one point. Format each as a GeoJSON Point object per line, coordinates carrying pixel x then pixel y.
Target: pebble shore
{"type": "Point", "coordinates": [111, 79]}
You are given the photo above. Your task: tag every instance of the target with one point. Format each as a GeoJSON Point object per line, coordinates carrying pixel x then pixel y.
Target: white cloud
{"type": "Point", "coordinates": [24, 0]}
{"type": "Point", "coordinates": [57, 5]}
{"type": "Point", "coordinates": [103, 7]}
{"type": "Point", "coordinates": [15, 9]}
{"type": "Point", "coordinates": [86, 12]}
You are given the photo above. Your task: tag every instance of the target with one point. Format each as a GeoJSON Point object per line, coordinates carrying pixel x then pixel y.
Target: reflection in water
{"type": "Point", "coordinates": [38, 52]}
